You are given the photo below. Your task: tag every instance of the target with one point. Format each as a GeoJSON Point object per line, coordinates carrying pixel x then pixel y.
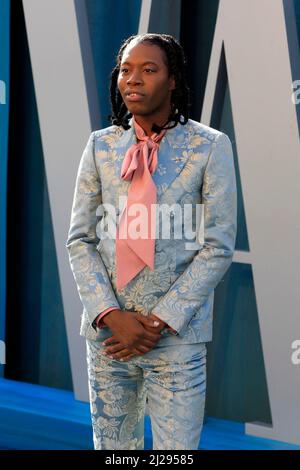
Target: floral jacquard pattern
{"type": "Point", "coordinates": [171, 379]}
{"type": "Point", "coordinates": [196, 166]}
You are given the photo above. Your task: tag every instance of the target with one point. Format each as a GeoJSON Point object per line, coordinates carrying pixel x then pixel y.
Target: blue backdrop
{"type": "Point", "coordinates": [4, 110]}
{"type": "Point", "coordinates": [38, 347]}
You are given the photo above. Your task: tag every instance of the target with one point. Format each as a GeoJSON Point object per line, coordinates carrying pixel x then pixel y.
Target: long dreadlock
{"type": "Point", "coordinates": [176, 62]}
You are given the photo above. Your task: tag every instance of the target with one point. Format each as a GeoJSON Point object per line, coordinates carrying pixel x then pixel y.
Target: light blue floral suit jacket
{"type": "Point", "coordinates": [195, 166]}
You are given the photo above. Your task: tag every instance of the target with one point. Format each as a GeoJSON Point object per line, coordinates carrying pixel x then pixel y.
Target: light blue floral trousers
{"type": "Point", "coordinates": [173, 381]}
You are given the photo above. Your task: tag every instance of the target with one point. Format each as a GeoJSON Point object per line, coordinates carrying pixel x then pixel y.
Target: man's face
{"type": "Point", "coordinates": [143, 69]}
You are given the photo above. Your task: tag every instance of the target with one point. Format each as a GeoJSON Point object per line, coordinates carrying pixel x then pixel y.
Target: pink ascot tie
{"type": "Point", "coordinates": [134, 253]}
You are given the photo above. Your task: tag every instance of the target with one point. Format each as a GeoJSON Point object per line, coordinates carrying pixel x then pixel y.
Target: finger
{"type": "Point", "coordinates": [147, 321]}
{"type": "Point", "coordinates": [123, 354]}
{"type": "Point", "coordinates": [114, 349]}
{"type": "Point", "coordinates": [126, 353]}
{"type": "Point", "coordinates": [141, 349]}
{"type": "Point", "coordinates": [151, 336]}
{"type": "Point", "coordinates": [155, 330]}
{"type": "Point", "coordinates": [146, 343]}
{"type": "Point", "coordinates": [153, 318]}
{"type": "Point", "coordinates": [110, 340]}
{"type": "Point", "coordinates": [126, 358]}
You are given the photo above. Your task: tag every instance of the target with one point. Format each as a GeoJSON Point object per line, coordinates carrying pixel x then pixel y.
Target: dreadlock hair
{"type": "Point", "coordinates": [176, 62]}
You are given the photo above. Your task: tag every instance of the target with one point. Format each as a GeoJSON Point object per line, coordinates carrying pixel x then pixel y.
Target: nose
{"type": "Point", "coordinates": [134, 78]}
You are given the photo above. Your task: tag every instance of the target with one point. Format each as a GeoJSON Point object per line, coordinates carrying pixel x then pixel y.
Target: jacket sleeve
{"type": "Point", "coordinates": [93, 283]}
{"type": "Point", "coordinates": [192, 288]}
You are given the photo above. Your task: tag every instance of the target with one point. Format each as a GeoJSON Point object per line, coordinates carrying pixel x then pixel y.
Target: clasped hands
{"type": "Point", "coordinates": [133, 334]}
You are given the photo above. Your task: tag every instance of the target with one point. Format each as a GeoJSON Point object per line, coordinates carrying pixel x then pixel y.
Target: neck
{"type": "Point", "coordinates": [147, 123]}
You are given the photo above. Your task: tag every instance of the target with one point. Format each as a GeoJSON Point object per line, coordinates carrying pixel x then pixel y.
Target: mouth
{"type": "Point", "coordinates": [134, 97]}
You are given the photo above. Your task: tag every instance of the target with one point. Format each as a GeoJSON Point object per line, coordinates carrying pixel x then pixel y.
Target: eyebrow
{"type": "Point", "coordinates": [144, 63]}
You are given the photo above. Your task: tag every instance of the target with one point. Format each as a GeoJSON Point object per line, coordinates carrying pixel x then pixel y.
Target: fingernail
{"type": "Point", "coordinates": [103, 344]}
{"type": "Point", "coordinates": [156, 323]}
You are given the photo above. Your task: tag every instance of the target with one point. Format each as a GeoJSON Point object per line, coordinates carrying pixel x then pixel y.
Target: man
{"type": "Point", "coordinates": [148, 301]}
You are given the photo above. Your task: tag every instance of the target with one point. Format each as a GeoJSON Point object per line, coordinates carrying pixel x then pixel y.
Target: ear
{"type": "Point", "coordinates": [172, 83]}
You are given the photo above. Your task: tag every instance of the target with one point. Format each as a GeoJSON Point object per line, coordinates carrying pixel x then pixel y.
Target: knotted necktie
{"type": "Point", "coordinates": [134, 252]}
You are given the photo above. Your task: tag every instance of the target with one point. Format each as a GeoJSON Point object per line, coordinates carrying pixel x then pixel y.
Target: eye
{"type": "Point", "coordinates": [151, 70]}
{"type": "Point", "coordinates": [123, 70]}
